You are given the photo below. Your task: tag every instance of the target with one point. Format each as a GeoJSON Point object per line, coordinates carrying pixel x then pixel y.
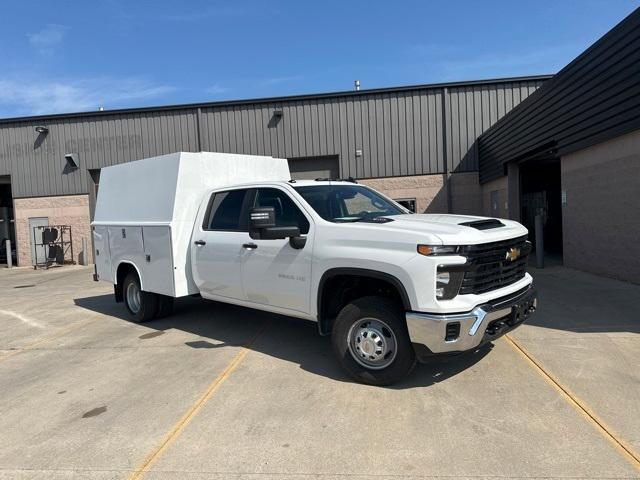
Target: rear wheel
{"type": "Point", "coordinates": [143, 306]}
{"type": "Point", "coordinates": [371, 341]}
{"type": "Point", "coordinates": [165, 306]}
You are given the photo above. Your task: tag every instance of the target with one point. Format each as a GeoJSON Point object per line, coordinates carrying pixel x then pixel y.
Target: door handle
{"type": "Point", "coordinates": [249, 246]}
{"type": "Point", "coordinates": [200, 242]}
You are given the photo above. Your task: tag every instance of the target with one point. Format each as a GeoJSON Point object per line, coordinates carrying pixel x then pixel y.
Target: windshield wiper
{"type": "Point", "coordinates": [376, 219]}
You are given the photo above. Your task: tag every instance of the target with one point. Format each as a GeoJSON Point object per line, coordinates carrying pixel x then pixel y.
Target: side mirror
{"type": "Point", "coordinates": [262, 217]}
{"type": "Point", "coordinates": [262, 226]}
{"type": "Point", "coordinates": [277, 233]}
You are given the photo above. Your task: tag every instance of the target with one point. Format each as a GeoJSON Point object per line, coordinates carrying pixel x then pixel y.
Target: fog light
{"type": "Point", "coordinates": [443, 277]}
{"type": "Point", "coordinates": [447, 284]}
{"type": "Point", "coordinates": [442, 280]}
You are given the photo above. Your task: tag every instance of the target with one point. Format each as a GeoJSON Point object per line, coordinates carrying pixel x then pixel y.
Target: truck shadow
{"type": "Point", "coordinates": [218, 325]}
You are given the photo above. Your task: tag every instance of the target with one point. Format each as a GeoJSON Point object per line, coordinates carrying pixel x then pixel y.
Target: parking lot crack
{"type": "Point", "coordinates": [188, 416]}
{"type": "Point", "coordinates": [626, 450]}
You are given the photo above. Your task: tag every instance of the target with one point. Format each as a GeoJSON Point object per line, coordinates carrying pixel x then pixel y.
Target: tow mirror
{"type": "Point", "coordinates": [277, 233]}
{"type": "Point", "coordinates": [261, 217]}
{"type": "Point", "coordinates": [262, 226]}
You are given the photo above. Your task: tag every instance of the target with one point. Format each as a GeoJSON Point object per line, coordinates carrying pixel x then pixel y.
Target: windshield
{"type": "Point", "coordinates": [347, 203]}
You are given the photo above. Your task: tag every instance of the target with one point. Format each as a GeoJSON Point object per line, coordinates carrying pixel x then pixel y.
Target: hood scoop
{"type": "Point", "coordinates": [483, 224]}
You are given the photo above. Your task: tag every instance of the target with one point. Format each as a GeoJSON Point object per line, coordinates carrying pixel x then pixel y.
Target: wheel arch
{"type": "Point", "coordinates": [324, 321]}
{"type": "Point", "coordinates": [124, 267]}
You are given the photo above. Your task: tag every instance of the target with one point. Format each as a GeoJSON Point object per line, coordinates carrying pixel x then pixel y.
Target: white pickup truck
{"type": "Point", "coordinates": [389, 286]}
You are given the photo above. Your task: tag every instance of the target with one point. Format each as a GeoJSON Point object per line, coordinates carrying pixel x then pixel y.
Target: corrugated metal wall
{"type": "Point", "coordinates": [593, 99]}
{"type": "Point", "coordinates": [399, 132]}
{"type": "Point", "coordinates": [36, 162]}
{"type": "Point", "coordinates": [470, 111]}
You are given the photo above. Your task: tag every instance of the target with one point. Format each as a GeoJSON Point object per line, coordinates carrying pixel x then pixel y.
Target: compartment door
{"type": "Point", "coordinates": [126, 245]}
{"type": "Point", "coordinates": [158, 261]}
{"type": "Point", "coordinates": [102, 254]}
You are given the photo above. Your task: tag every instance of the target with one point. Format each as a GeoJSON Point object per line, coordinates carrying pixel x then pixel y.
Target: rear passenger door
{"type": "Point", "coordinates": [273, 272]}
{"type": "Point", "coordinates": [217, 245]}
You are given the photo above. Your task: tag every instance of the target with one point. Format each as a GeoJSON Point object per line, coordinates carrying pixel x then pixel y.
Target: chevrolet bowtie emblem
{"type": "Point", "coordinates": [512, 254]}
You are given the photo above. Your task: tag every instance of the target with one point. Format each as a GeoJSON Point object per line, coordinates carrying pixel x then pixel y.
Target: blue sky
{"type": "Point", "coordinates": [63, 56]}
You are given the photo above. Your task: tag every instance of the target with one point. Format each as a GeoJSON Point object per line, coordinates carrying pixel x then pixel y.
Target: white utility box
{"type": "Point", "coordinates": [146, 211]}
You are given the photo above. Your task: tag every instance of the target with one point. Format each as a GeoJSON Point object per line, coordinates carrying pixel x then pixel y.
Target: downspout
{"type": "Point", "coordinates": [199, 128]}
{"type": "Point", "coordinates": [445, 146]}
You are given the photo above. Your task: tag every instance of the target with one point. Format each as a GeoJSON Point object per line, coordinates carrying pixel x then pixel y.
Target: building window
{"type": "Point", "coordinates": [408, 203]}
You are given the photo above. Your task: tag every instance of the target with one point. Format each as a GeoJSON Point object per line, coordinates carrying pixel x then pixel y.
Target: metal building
{"type": "Point", "coordinates": [416, 143]}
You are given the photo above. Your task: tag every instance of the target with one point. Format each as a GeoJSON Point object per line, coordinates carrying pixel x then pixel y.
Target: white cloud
{"type": "Point", "coordinates": [453, 62]}
{"type": "Point", "coordinates": [49, 96]}
{"type": "Point", "coordinates": [502, 64]}
{"type": "Point", "coordinates": [200, 15]}
{"type": "Point", "coordinates": [280, 80]}
{"type": "Point", "coordinates": [47, 39]}
{"type": "Point", "coordinates": [216, 89]}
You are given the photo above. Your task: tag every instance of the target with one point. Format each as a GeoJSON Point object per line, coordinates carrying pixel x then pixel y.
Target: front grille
{"type": "Point", "coordinates": [490, 268]}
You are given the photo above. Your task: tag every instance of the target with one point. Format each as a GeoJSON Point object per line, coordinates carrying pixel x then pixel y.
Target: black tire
{"type": "Point", "coordinates": [165, 306]}
{"type": "Point", "coordinates": [145, 307]}
{"type": "Point", "coordinates": [385, 312]}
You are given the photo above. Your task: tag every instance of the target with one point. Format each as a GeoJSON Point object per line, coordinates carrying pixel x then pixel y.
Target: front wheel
{"type": "Point", "coordinates": [371, 341]}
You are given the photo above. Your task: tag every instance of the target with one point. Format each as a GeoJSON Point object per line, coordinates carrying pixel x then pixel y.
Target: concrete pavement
{"type": "Point", "coordinates": [88, 394]}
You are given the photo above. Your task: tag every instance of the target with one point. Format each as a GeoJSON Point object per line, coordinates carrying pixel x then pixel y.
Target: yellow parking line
{"type": "Point", "coordinates": [177, 429]}
{"type": "Point", "coordinates": [43, 341]}
{"type": "Point", "coordinates": [626, 450]}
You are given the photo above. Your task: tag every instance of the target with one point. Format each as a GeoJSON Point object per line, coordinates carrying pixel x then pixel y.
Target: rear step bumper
{"type": "Point", "coordinates": [459, 332]}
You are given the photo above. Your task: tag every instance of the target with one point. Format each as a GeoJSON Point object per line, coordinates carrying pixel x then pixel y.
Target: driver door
{"type": "Point", "coordinates": [273, 272]}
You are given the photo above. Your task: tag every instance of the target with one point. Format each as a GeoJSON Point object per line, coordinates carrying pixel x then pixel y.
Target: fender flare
{"type": "Point", "coordinates": [135, 267]}
{"type": "Point", "coordinates": [361, 272]}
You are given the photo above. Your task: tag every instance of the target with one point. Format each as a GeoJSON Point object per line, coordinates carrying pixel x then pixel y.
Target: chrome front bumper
{"type": "Point", "coordinates": [483, 324]}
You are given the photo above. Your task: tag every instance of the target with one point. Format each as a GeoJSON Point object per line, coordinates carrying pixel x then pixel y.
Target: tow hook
{"type": "Point", "coordinates": [529, 308]}
{"type": "Point", "coordinates": [519, 314]}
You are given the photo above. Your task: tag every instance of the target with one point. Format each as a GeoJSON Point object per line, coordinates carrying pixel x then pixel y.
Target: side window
{"type": "Point", "coordinates": [287, 213]}
{"type": "Point", "coordinates": [224, 211]}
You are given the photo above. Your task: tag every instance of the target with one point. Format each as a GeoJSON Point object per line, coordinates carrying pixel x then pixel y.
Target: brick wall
{"type": "Point", "coordinates": [428, 190]}
{"type": "Point", "coordinates": [466, 194]}
{"type": "Point", "coordinates": [64, 210]}
{"type": "Point", "coordinates": [498, 190]}
{"type": "Point", "coordinates": [601, 218]}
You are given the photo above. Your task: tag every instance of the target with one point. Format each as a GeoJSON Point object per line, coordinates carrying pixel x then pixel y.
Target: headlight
{"type": "Point", "coordinates": [431, 250]}
{"type": "Point", "coordinates": [448, 284]}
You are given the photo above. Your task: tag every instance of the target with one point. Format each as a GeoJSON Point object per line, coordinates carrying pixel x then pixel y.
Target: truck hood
{"type": "Point", "coordinates": [449, 230]}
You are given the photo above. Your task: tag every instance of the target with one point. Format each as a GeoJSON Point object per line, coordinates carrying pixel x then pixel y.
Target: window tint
{"type": "Point", "coordinates": [287, 213]}
{"type": "Point", "coordinates": [347, 203]}
{"type": "Point", "coordinates": [360, 204]}
{"type": "Point", "coordinates": [224, 211]}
